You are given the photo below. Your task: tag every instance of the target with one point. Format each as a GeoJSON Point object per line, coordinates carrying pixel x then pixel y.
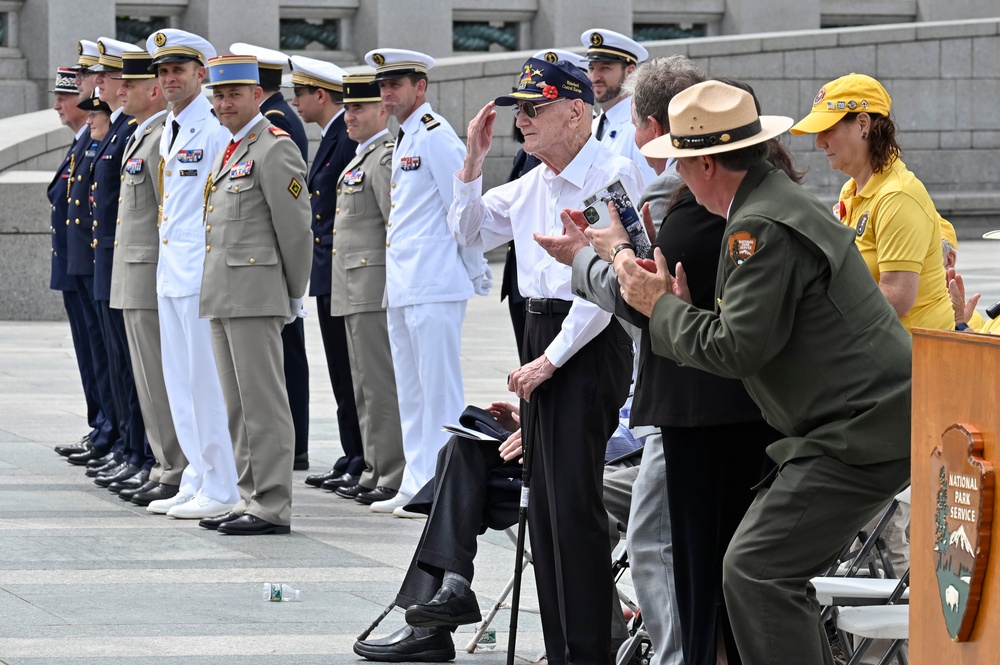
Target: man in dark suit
{"type": "Point", "coordinates": [319, 91]}
{"type": "Point", "coordinates": [270, 64]}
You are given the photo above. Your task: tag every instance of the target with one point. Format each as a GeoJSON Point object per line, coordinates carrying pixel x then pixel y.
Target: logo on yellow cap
{"type": "Point", "coordinates": [160, 39]}
{"type": "Point", "coordinates": [378, 59]}
{"type": "Point", "coordinates": [819, 96]}
{"type": "Point", "coordinates": [551, 57]}
{"type": "Point", "coordinates": [596, 39]}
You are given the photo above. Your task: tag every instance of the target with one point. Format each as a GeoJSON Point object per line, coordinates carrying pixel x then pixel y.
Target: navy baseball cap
{"type": "Point", "coordinates": [546, 81]}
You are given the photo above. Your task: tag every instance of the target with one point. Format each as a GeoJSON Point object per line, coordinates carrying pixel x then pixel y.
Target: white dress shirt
{"type": "Point", "coordinates": [619, 136]}
{"type": "Point", "coordinates": [532, 203]}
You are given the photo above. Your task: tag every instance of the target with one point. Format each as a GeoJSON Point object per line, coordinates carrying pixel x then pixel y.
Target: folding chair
{"type": "Point", "coordinates": [885, 622]}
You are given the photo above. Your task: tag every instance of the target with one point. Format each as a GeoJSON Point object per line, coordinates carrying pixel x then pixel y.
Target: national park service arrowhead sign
{"type": "Point", "coordinates": [963, 517]}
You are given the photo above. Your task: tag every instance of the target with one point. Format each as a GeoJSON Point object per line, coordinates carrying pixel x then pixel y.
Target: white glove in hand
{"type": "Point", "coordinates": [296, 309]}
{"type": "Point", "coordinates": [484, 282]}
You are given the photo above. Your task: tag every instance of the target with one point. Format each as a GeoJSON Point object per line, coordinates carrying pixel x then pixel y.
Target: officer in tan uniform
{"type": "Point", "coordinates": [257, 214]}
{"type": "Point", "coordinates": [358, 279]}
{"type": "Point", "coordinates": [133, 274]}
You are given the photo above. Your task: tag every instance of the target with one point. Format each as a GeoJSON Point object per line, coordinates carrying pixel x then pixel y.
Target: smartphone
{"type": "Point", "coordinates": [597, 215]}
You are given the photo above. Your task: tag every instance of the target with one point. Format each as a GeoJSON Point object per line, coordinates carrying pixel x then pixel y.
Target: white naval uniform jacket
{"type": "Point", "coordinates": [186, 168]}
{"type": "Point", "coordinates": [619, 137]}
{"type": "Point", "coordinates": [424, 263]}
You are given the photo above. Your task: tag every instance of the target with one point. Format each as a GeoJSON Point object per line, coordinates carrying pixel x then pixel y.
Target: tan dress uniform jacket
{"type": "Point", "coordinates": [133, 290]}
{"type": "Point", "coordinates": [358, 280]}
{"type": "Point", "coordinates": [258, 252]}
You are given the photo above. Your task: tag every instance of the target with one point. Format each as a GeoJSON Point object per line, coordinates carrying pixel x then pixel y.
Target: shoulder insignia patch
{"type": "Point", "coordinates": [295, 187]}
{"type": "Point", "coordinates": [863, 223]}
{"type": "Point", "coordinates": [277, 131]}
{"type": "Point", "coordinates": [742, 246]}
{"type": "Point", "coordinates": [429, 121]}
{"type": "Point", "coordinates": [133, 121]}
{"type": "Point", "coordinates": [390, 144]}
{"type": "Point", "coordinates": [275, 111]}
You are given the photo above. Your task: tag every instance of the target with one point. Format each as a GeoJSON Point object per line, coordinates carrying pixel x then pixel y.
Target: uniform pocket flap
{"type": "Point", "coordinates": [359, 258]}
{"type": "Point", "coordinates": [142, 254]}
{"type": "Point", "coordinates": [251, 256]}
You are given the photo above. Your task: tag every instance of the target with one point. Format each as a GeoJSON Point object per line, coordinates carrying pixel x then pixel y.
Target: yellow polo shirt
{"type": "Point", "coordinates": [897, 231]}
{"type": "Point", "coordinates": [991, 327]}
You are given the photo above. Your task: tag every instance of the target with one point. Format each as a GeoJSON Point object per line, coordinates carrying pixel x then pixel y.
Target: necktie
{"type": "Point", "coordinates": [176, 128]}
{"type": "Point", "coordinates": [601, 125]}
{"type": "Point", "coordinates": [399, 136]}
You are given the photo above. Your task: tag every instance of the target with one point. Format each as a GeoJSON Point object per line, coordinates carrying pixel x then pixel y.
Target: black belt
{"type": "Point", "coordinates": [546, 306]}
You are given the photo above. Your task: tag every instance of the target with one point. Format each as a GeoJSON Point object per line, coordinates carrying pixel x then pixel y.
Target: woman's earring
{"type": "Point", "coordinates": [863, 135]}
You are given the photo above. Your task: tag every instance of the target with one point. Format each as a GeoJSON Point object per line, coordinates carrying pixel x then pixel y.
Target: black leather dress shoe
{"type": "Point", "coordinates": [319, 478]}
{"type": "Point", "coordinates": [301, 462]}
{"type": "Point", "coordinates": [409, 645]}
{"type": "Point", "coordinates": [127, 494]}
{"type": "Point", "coordinates": [105, 478]}
{"type": "Point", "coordinates": [351, 491]}
{"type": "Point", "coordinates": [161, 491]}
{"type": "Point", "coordinates": [377, 494]}
{"type": "Point", "coordinates": [80, 459]}
{"type": "Point", "coordinates": [132, 482]}
{"type": "Point", "coordinates": [102, 468]}
{"type": "Point", "coordinates": [445, 609]}
{"type": "Point", "coordinates": [342, 480]}
{"type": "Point", "coordinates": [81, 446]}
{"type": "Point", "coordinates": [212, 523]}
{"type": "Point", "coordinates": [251, 525]}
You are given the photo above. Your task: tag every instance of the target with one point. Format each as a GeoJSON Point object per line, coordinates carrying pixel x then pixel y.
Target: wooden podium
{"type": "Point", "coordinates": [956, 382]}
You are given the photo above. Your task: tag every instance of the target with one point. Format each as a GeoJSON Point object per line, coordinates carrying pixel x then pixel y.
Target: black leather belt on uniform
{"type": "Point", "coordinates": [547, 306]}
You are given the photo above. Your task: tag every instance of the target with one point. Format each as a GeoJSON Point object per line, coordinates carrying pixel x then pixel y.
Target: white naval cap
{"type": "Point", "coordinates": [316, 73]}
{"type": "Point", "coordinates": [173, 45]}
{"type": "Point", "coordinates": [110, 51]}
{"type": "Point", "coordinates": [557, 54]}
{"type": "Point", "coordinates": [89, 55]}
{"type": "Point", "coordinates": [608, 45]}
{"type": "Point", "coordinates": [391, 63]}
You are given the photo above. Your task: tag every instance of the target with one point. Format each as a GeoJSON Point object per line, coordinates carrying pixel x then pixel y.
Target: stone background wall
{"type": "Point", "coordinates": [944, 79]}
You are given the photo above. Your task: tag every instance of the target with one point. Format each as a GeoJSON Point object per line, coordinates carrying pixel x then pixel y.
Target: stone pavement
{"type": "Point", "coordinates": [86, 578]}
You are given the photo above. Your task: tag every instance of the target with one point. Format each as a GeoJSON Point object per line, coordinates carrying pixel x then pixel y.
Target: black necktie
{"type": "Point", "coordinates": [176, 127]}
{"type": "Point", "coordinates": [601, 125]}
{"type": "Point", "coordinates": [399, 136]}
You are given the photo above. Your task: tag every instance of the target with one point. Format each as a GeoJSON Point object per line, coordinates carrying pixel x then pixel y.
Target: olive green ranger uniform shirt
{"type": "Point", "coordinates": [801, 321]}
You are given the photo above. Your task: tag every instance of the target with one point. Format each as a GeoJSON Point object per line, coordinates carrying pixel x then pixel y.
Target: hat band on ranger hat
{"type": "Point", "coordinates": [361, 88]}
{"type": "Point", "coordinates": [233, 70]}
{"type": "Point", "coordinates": [300, 78]}
{"type": "Point", "coordinates": [697, 142]}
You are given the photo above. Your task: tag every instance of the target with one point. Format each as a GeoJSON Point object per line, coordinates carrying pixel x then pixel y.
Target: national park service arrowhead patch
{"type": "Point", "coordinates": [742, 246]}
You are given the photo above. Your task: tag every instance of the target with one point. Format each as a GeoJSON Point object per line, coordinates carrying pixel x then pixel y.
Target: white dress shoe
{"type": "Point", "coordinates": [390, 505]}
{"type": "Point", "coordinates": [198, 508]}
{"type": "Point", "coordinates": [400, 511]}
{"type": "Point", "coordinates": [161, 506]}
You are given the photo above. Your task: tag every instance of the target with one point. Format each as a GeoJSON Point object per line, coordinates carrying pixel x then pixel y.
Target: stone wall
{"type": "Point", "coordinates": [943, 78]}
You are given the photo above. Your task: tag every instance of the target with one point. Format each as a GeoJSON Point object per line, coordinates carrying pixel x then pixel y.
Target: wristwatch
{"type": "Point", "coordinates": [618, 248]}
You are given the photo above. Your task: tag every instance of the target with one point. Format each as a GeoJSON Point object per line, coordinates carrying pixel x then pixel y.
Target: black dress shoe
{"type": "Point", "coordinates": [101, 462]}
{"type": "Point", "coordinates": [251, 525]}
{"type": "Point", "coordinates": [377, 494]}
{"type": "Point", "coordinates": [132, 482]}
{"type": "Point", "coordinates": [120, 472]}
{"type": "Point", "coordinates": [80, 459]}
{"type": "Point", "coordinates": [212, 523]}
{"type": "Point", "coordinates": [301, 462]}
{"type": "Point", "coordinates": [409, 645]}
{"type": "Point", "coordinates": [161, 491]}
{"type": "Point", "coordinates": [94, 471]}
{"type": "Point", "coordinates": [127, 494]}
{"type": "Point", "coordinates": [342, 480]}
{"type": "Point", "coordinates": [445, 610]}
{"type": "Point", "coordinates": [81, 446]}
{"type": "Point", "coordinates": [318, 479]}
{"type": "Point", "coordinates": [351, 491]}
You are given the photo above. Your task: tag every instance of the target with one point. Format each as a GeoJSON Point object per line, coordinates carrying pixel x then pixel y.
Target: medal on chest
{"type": "Point", "coordinates": [354, 177]}
{"type": "Point", "coordinates": [409, 163]}
{"type": "Point", "coordinates": [133, 165]}
{"type": "Point", "coordinates": [190, 156]}
{"type": "Point", "coordinates": [241, 170]}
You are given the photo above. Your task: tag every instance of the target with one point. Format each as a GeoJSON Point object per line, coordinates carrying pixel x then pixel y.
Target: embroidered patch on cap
{"type": "Point", "coordinates": [295, 187]}
{"type": "Point", "coordinates": [742, 246]}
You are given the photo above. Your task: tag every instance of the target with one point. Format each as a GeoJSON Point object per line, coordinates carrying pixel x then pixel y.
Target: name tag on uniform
{"type": "Point", "coordinates": [189, 172]}
{"type": "Point", "coordinates": [241, 170]}
{"type": "Point", "coordinates": [354, 177]}
{"type": "Point", "coordinates": [133, 165]}
{"type": "Point", "coordinates": [410, 163]}
{"type": "Point", "coordinates": [190, 156]}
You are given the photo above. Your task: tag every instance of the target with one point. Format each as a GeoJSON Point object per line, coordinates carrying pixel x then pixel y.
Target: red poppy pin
{"type": "Point", "coordinates": [840, 211]}
{"type": "Point", "coordinates": [550, 92]}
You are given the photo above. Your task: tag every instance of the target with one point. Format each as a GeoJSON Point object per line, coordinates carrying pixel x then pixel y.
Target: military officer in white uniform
{"type": "Point", "coordinates": [429, 278]}
{"type": "Point", "coordinates": [258, 253]}
{"type": "Point", "coordinates": [613, 57]}
{"type": "Point", "coordinates": [192, 138]}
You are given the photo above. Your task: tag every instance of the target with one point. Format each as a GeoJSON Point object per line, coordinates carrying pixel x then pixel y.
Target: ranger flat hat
{"type": "Point", "coordinates": [546, 81]}
{"type": "Point", "coordinates": [557, 54]}
{"type": "Point", "coordinates": [233, 70]}
{"type": "Point", "coordinates": [314, 73]}
{"type": "Point", "coordinates": [393, 63]}
{"type": "Point", "coordinates": [713, 117]}
{"type": "Point", "coordinates": [65, 81]}
{"type": "Point", "coordinates": [111, 50]}
{"type": "Point", "coordinates": [611, 46]}
{"type": "Point", "coordinates": [173, 45]}
{"type": "Point", "coordinates": [89, 55]}
{"type": "Point", "coordinates": [271, 63]}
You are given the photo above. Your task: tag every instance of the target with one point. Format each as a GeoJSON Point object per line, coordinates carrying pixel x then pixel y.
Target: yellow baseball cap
{"type": "Point", "coordinates": [948, 232]}
{"type": "Point", "coordinates": [854, 93]}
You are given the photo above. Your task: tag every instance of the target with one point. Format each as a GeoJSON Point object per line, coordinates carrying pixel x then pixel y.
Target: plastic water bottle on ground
{"type": "Point", "coordinates": [488, 642]}
{"type": "Point", "coordinates": [280, 592]}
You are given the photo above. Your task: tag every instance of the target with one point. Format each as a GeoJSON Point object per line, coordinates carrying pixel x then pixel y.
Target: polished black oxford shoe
{"type": "Point", "coordinates": [377, 494]}
{"type": "Point", "coordinates": [132, 482]}
{"type": "Point", "coordinates": [251, 525]}
{"type": "Point", "coordinates": [127, 494]}
{"type": "Point", "coordinates": [80, 459]}
{"type": "Point", "coordinates": [81, 446]}
{"type": "Point", "coordinates": [212, 523]}
{"type": "Point", "coordinates": [341, 480]}
{"type": "Point", "coordinates": [409, 644]}
{"type": "Point", "coordinates": [445, 609]}
{"type": "Point", "coordinates": [351, 491]}
{"type": "Point", "coordinates": [161, 491]}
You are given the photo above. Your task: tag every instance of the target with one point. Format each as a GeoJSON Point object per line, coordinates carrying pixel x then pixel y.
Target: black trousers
{"type": "Point", "coordinates": [339, 365]}
{"type": "Point", "coordinates": [78, 331]}
{"type": "Point", "coordinates": [293, 343]}
{"type": "Point", "coordinates": [710, 473]}
{"type": "Point", "coordinates": [109, 435]}
{"type": "Point", "coordinates": [567, 423]}
{"type": "Point", "coordinates": [473, 489]}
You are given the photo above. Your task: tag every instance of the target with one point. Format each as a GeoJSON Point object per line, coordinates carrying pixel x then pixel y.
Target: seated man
{"type": "Point", "coordinates": [474, 488]}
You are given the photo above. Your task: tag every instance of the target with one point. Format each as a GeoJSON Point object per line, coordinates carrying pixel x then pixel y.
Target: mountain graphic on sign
{"type": "Point", "coordinates": [960, 557]}
{"type": "Point", "coordinates": [960, 540]}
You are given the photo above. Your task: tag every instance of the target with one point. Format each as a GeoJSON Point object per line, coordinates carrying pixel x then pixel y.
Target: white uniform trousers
{"type": "Point", "coordinates": [196, 403]}
{"type": "Point", "coordinates": [426, 342]}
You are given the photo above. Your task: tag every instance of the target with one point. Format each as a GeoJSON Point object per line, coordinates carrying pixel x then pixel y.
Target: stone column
{"type": "Point", "coordinates": [223, 22]}
{"type": "Point", "coordinates": [751, 16]}
{"type": "Point", "coordinates": [418, 25]}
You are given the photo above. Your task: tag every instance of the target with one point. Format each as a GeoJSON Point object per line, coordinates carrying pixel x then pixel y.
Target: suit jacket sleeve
{"type": "Point", "coordinates": [381, 179]}
{"type": "Point", "coordinates": [290, 214]}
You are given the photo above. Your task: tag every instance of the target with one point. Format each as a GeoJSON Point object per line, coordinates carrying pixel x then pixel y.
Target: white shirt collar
{"type": "Point", "coordinates": [238, 136]}
{"type": "Point", "coordinates": [80, 131]}
{"type": "Point", "coordinates": [158, 117]}
{"type": "Point", "coordinates": [364, 146]}
{"type": "Point", "coordinates": [412, 122]}
{"type": "Point", "coordinates": [576, 171]}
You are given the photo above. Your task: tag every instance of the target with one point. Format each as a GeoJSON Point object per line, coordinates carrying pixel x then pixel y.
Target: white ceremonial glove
{"type": "Point", "coordinates": [484, 282]}
{"type": "Point", "coordinates": [296, 309]}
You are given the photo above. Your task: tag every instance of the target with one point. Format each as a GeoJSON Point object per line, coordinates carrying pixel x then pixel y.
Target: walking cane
{"type": "Point", "coordinates": [527, 434]}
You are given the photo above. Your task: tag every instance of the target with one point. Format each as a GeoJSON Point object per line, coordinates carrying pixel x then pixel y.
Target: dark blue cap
{"type": "Point", "coordinates": [545, 81]}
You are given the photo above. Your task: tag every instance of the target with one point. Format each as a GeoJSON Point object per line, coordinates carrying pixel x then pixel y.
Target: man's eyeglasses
{"type": "Point", "coordinates": [531, 110]}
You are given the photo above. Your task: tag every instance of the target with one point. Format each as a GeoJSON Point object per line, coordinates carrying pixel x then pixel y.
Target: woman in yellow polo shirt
{"type": "Point", "coordinates": [895, 219]}
{"type": "Point", "coordinates": [966, 316]}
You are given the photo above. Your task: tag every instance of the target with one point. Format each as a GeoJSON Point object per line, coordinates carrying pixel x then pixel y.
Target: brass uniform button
{"type": "Point", "coordinates": [95, 242]}
{"type": "Point", "coordinates": [123, 178]}
{"type": "Point", "coordinates": [317, 192]}
{"type": "Point", "coordinates": [78, 222]}
{"type": "Point", "coordinates": [211, 208]}
{"type": "Point", "coordinates": [338, 190]}
{"type": "Point", "coordinates": [334, 250]}
{"type": "Point", "coordinates": [214, 188]}
{"type": "Point", "coordinates": [319, 217]}
{"type": "Point", "coordinates": [394, 185]}
{"type": "Point", "coordinates": [236, 188]}
{"type": "Point", "coordinates": [164, 241]}
{"type": "Point", "coordinates": [253, 260]}
{"type": "Point", "coordinates": [118, 221]}
{"type": "Point", "coordinates": [387, 244]}
{"type": "Point", "coordinates": [392, 205]}
{"type": "Point", "coordinates": [388, 224]}
{"type": "Point", "coordinates": [317, 241]}
{"type": "Point", "coordinates": [364, 262]}
{"type": "Point", "coordinates": [337, 211]}
{"type": "Point", "coordinates": [119, 199]}
{"type": "Point", "coordinates": [165, 218]}
{"type": "Point", "coordinates": [335, 232]}
{"type": "Point", "coordinates": [208, 248]}
{"type": "Point", "coordinates": [77, 202]}
{"type": "Point", "coordinates": [208, 228]}
{"type": "Point", "coordinates": [116, 243]}
{"type": "Point", "coordinates": [167, 195]}
{"type": "Point", "coordinates": [166, 173]}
